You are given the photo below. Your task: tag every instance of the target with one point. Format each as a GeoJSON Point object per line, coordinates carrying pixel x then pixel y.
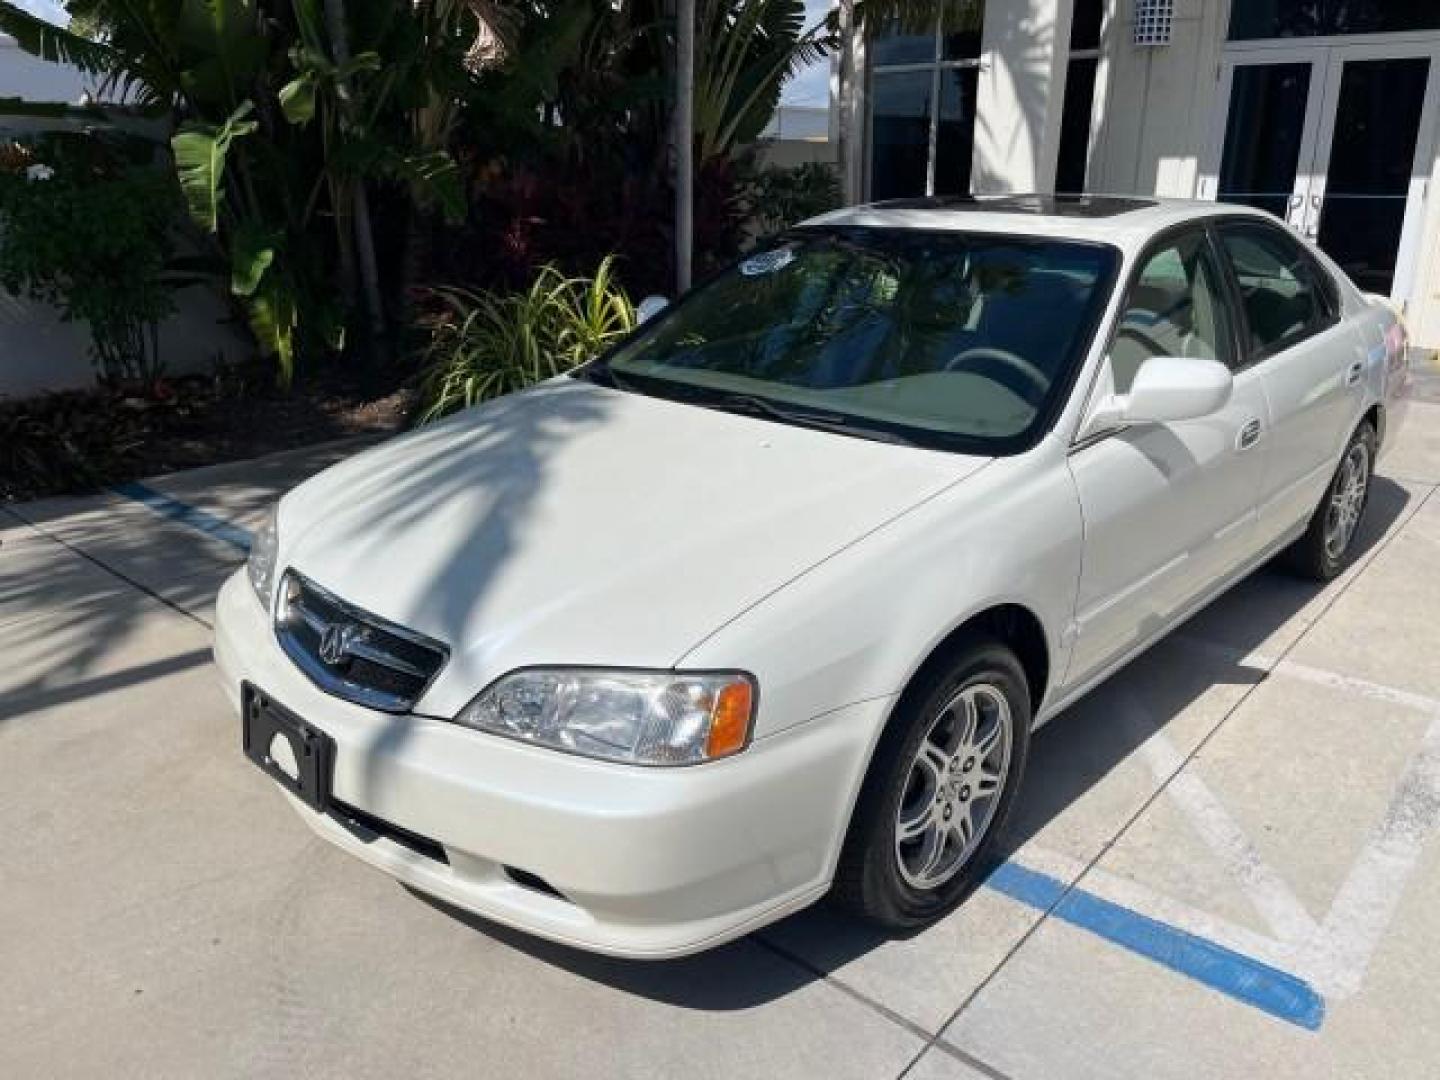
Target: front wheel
{"type": "Point", "coordinates": [1327, 544]}
{"type": "Point", "coordinates": [939, 790]}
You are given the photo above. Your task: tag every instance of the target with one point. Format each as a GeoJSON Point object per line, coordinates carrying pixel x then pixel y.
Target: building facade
{"type": "Point", "coordinates": [1324, 112]}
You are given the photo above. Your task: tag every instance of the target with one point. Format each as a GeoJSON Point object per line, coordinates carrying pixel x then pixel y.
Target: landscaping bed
{"type": "Point", "coordinates": [76, 441]}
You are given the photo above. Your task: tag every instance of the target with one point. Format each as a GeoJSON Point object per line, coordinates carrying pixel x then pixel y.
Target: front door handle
{"type": "Point", "coordinates": [1249, 435]}
{"type": "Point", "coordinates": [1353, 372]}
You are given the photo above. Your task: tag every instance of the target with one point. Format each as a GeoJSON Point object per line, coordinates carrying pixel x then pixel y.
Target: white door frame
{"type": "Point", "coordinates": [1307, 53]}
{"type": "Point", "coordinates": [1327, 57]}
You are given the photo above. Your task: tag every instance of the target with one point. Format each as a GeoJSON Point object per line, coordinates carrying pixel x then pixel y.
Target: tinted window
{"type": "Point", "coordinates": [1070, 159]}
{"type": "Point", "coordinates": [958, 335]}
{"type": "Point", "coordinates": [960, 36]}
{"type": "Point", "coordinates": [897, 44]}
{"type": "Point", "coordinates": [1278, 286]}
{"type": "Point", "coordinates": [1085, 22]}
{"type": "Point", "coordinates": [1263, 134]}
{"type": "Point", "coordinates": [955, 137]}
{"type": "Point", "coordinates": [1377, 123]}
{"type": "Point", "coordinates": [900, 133]}
{"type": "Point", "coordinates": [1311, 18]}
{"type": "Point", "coordinates": [1176, 307]}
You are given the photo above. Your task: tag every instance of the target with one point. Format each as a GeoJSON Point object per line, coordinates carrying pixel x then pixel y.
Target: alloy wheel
{"type": "Point", "coordinates": [954, 786]}
{"type": "Point", "coordinates": [1347, 500]}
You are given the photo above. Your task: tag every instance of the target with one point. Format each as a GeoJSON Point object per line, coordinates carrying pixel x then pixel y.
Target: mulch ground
{"type": "Point", "coordinates": [77, 441]}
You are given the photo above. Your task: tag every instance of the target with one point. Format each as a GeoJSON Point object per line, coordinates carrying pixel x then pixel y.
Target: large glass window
{"type": "Point", "coordinates": [945, 338]}
{"type": "Point", "coordinates": [901, 117]}
{"type": "Point", "coordinates": [1073, 155]}
{"type": "Point", "coordinates": [1263, 134]}
{"type": "Point", "coordinates": [1377, 121]}
{"type": "Point", "coordinates": [922, 106]}
{"type": "Point", "coordinates": [955, 134]}
{"type": "Point", "coordinates": [1254, 19]}
{"type": "Point", "coordinates": [1086, 18]}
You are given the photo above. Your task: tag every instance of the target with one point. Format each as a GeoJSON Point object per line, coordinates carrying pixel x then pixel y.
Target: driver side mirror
{"type": "Point", "coordinates": [1166, 389]}
{"type": "Point", "coordinates": [648, 308]}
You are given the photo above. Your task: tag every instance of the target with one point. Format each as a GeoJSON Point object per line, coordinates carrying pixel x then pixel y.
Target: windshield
{"type": "Point", "coordinates": [953, 339]}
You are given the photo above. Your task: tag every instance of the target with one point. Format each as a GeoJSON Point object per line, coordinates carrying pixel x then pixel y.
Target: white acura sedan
{"type": "Point", "coordinates": [766, 603]}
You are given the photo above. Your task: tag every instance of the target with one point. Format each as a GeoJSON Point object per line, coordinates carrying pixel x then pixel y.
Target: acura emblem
{"type": "Point", "coordinates": [335, 641]}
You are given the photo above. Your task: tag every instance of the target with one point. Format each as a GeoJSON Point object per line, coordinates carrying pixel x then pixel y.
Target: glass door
{"type": "Point", "coordinates": [1365, 201]}
{"type": "Point", "coordinates": [1265, 147]}
{"type": "Point", "coordinates": [1336, 141]}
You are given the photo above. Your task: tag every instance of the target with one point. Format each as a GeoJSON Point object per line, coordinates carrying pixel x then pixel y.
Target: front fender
{"type": "Point", "coordinates": [859, 625]}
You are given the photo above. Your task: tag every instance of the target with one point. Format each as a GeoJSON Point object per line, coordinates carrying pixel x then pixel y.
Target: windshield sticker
{"type": "Point", "coordinates": [767, 262]}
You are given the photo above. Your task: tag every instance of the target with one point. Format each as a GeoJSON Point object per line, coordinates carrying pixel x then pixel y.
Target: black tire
{"type": "Point", "coordinates": [869, 880]}
{"type": "Point", "coordinates": [1316, 555]}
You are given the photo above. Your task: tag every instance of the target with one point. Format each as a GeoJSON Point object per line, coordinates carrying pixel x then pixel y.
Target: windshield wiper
{"type": "Point", "coordinates": [751, 405]}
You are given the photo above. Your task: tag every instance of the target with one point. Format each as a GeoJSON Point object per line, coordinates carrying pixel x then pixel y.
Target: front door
{"type": "Point", "coordinates": [1335, 141]}
{"type": "Point", "coordinates": [1169, 509]}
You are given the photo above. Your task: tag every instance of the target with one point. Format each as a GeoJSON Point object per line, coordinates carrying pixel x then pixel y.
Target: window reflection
{"type": "Point", "coordinates": [917, 148]}
{"type": "Point", "coordinates": [900, 133]}
{"type": "Point", "coordinates": [1254, 19]}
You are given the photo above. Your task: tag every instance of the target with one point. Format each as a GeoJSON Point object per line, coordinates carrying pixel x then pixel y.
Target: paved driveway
{"type": "Point", "coordinates": [1224, 864]}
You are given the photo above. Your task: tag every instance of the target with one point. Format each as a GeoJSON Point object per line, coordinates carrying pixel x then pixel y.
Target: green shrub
{"type": "Point", "coordinates": [87, 226]}
{"type": "Point", "coordinates": [779, 197]}
{"type": "Point", "coordinates": [483, 345]}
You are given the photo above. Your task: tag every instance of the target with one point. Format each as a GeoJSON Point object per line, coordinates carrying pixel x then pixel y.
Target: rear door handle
{"type": "Point", "coordinates": [1249, 435]}
{"type": "Point", "coordinates": [1353, 372]}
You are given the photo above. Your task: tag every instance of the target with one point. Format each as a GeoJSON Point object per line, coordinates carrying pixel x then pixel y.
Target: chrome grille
{"type": "Point", "coordinates": [350, 653]}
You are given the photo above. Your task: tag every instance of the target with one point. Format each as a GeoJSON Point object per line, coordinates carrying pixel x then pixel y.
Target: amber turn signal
{"type": "Point", "coordinates": [730, 720]}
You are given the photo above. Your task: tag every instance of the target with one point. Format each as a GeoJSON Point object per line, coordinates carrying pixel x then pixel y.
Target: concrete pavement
{"type": "Point", "coordinates": [1224, 862]}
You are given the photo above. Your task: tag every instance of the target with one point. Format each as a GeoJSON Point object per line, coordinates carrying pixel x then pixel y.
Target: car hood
{"type": "Point", "coordinates": [575, 524]}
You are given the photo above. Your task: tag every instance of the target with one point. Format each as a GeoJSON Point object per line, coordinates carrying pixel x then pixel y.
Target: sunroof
{"type": "Point", "coordinates": [1076, 206]}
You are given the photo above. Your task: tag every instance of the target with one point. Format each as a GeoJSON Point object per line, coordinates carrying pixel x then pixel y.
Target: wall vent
{"type": "Point", "coordinates": [1153, 21]}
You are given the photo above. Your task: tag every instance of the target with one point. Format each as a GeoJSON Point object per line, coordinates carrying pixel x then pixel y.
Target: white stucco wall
{"type": "Point", "coordinates": [1424, 313]}
{"type": "Point", "coordinates": [1024, 50]}
{"type": "Point", "coordinates": [1160, 102]}
{"type": "Point", "coordinates": [39, 352]}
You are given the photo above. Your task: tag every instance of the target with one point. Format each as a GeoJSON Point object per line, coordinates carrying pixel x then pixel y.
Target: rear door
{"type": "Point", "coordinates": [1169, 509]}
{"type": "Point", "coordinates": [1312, 363]}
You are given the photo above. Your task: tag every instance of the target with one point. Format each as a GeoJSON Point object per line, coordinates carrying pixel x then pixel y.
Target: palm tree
{"type": "Point", "coordinates": [280, 122]}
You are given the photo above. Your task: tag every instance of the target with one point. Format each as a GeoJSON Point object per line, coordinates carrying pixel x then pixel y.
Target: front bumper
{"type": "Point", "coordinates": [649, 862]}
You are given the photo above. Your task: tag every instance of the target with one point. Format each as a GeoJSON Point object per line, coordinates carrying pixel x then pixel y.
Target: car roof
{"type": "Point", "coordinates": [1125, 221]}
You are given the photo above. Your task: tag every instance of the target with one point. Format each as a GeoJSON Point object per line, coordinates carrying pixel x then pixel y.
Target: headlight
{"type": "Point", "coordinates": [637, 717]}
{"type": "Point", "coordinates": [260, 566]}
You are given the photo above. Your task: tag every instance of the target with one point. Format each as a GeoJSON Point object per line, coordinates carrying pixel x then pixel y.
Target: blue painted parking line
{"type": "Point", "coordinates": [185, 514]}
{"type": "Point", "coordinates": [1269, 989]}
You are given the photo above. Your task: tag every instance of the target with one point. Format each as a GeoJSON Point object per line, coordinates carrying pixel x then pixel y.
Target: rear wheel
{"type": "Point", "coordinates": [1328, 543]}
{"type": "Point", "coordinates": [938, 791]}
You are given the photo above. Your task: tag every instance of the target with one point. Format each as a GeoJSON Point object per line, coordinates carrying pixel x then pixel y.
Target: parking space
{"type": "Point", "coordinates": [1224, 861]}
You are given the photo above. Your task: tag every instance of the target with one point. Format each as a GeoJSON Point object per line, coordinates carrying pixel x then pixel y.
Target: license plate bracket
{"type": "Point", "coordinates": [270, 732]}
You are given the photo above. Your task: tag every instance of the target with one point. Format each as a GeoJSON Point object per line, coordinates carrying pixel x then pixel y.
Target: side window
{"type": "Point", "coordinates": [1284, 299]}
{"type": "Point", "coordinates": [1176, 307]}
